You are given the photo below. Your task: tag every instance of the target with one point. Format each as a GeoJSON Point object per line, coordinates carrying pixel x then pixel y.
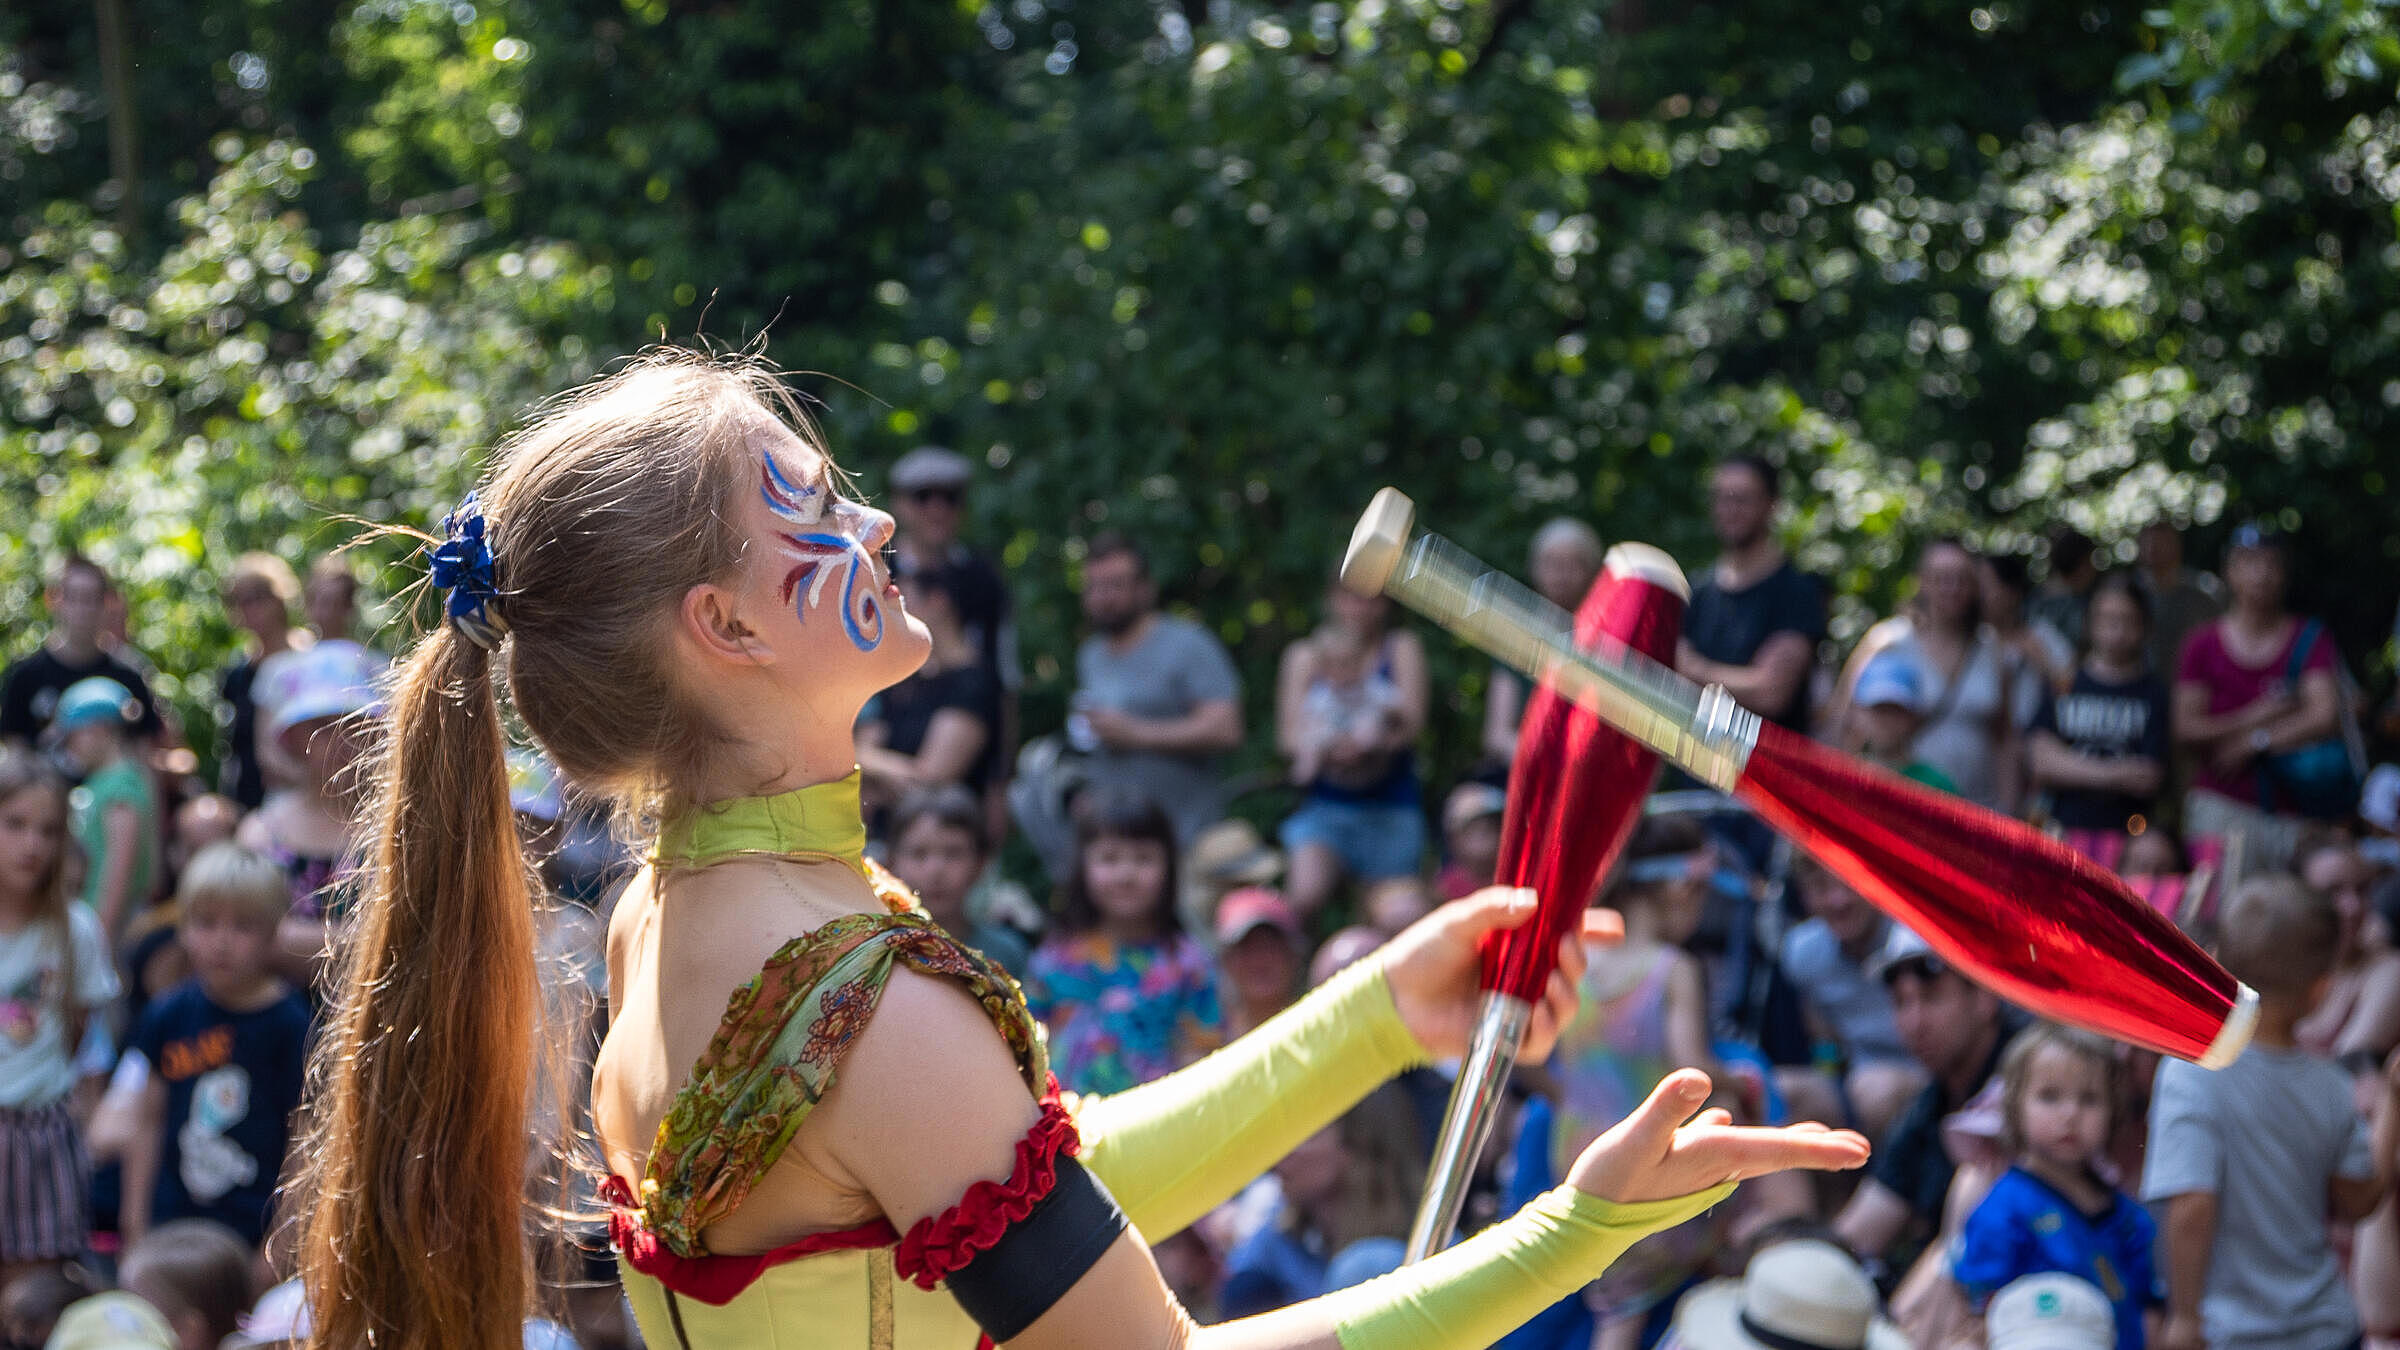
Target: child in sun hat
{"type": "Point", "coordinates": [1800, 1295]}
{"type": "Point", "coordinates": [2049, 1312]}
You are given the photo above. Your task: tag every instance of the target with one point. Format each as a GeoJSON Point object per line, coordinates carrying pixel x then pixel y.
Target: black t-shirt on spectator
{"type": "Point", "coordinates": [909, 708]}
{"type": "Point", "coordinates": [1910, 1161]}
{"type": "Point", "coordinates": [29, 693]}
{"type": "Point", "coordinates": [1730, 626]}
{"type": "Point", "coordinates": [2107, 719]}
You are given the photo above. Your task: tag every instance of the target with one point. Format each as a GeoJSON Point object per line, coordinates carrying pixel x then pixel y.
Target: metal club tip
{"type": "Point", "coordinates": [1375, 545]}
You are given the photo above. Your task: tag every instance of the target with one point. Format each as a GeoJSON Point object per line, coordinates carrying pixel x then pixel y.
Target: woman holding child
{"type": "Point", "coordinates": [816, 1105]}
{"type": "Point", "coordinates": [1350, 704]}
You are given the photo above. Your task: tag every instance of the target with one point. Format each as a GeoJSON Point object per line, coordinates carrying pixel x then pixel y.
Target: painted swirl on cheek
{"type": "Point", "coordinates": [818, 552]}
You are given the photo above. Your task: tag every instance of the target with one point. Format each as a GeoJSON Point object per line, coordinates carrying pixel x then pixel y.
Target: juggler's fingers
{"type": "Point", "coordinates": [1669, 1105]}
{"type": "Point", "coordinates": [1751, 1152]}
{"type": "Point", "coordinates": [1486, 910]}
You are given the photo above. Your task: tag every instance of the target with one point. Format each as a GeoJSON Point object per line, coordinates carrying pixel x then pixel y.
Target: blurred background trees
{"type": "Point", "coordinates": [1212, 272]}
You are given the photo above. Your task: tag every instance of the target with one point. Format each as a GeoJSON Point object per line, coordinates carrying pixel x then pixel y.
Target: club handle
{"type": "Point", "coordinates": [1467, 1125]}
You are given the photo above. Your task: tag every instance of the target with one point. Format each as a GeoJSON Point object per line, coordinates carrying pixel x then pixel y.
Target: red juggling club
{"type": "Point", "coordinates": [1574, 793]}
{"type": "Point", "coordinates": [2019, 913]}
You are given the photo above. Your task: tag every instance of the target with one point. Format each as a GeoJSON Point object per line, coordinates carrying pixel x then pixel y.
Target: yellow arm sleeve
{"type": "Point", "coordinates": [1172, 1150]}
{"type": "Point", "coordinates": [1492, 1283]}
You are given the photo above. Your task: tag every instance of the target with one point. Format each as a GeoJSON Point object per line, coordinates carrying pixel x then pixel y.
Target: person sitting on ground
{"type": "Point", "coordinates": [2155, 867]}
{"type": "Point", "coordinates": [2055, 1208]}
{"type": "Point", "coordinates": [225, 1054]}
{"type": "Point", "coordinates": [31, 1303]}
{"type": "Point", "coordinates": [2050, 1312]}
{"type": "Point", "coordinates": [1127, 994]}
{"type": "Point", "coordinates": [1797, 1292]}
{"type": "Point", "coordinates": [1342, 1203]}
{"type": "Point", "coordinates": [1864, 1074]}
{"type": "Point", "coordinates": [1886, 713]}
{"type": "Point", "coordinates": [1953, 1028]}
{"type": "Point", "coordinates": [197, 1274]}
{"type": "Point", "coordinates": [2357, 1022]}
{"type": "Point", "coordinates": [1394, 903]}
{"type": "Point", "coordinates": [1471, 817]}
{"type": "Point", "coordinates": [2249, 1162]}
{"type": "Point", "coordinates": [1644, 1015]}
{"type": "Point", "coordinates": [115, 1320]}
{"type": "Point", "coordinates": [939, 849]}
{"type": "Point", "coordinates": [1261, 956]}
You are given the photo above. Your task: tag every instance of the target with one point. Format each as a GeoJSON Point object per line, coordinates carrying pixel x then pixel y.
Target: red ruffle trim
{"type": "Point", "coordinates": [934, 1247]}
{"type": "Point", "coordinates": [717, 1280]}
{"type": "Point", "coordinates": [940, 1244]}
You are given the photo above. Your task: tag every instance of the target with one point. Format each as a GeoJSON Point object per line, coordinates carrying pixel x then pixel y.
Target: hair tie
{"type": "Point", "coordinates": [463, 567]}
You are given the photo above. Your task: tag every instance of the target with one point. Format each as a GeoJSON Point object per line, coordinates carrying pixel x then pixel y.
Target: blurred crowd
{"type": "Point", "coordinates": [2033, 1187]}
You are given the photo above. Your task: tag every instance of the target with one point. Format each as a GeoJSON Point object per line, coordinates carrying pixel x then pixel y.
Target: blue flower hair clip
{"type": "Point", "coordinates": [464, 568]}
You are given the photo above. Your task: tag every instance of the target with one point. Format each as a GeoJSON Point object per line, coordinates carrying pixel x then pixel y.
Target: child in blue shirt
{"type": "Point", "coordinates": [2053, 1210]}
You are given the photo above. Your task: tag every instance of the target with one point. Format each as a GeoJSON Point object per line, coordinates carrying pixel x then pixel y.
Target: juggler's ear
{"type": "Point", "coordinates": [710, 624]}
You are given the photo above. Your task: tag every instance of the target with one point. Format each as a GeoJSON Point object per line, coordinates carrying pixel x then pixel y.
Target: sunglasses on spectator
{"type": "Point", "coordinates": [948, 496]}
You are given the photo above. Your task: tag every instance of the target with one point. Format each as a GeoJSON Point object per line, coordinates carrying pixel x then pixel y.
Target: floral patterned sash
{"type": "Point", "coordinates": [776, 1053]}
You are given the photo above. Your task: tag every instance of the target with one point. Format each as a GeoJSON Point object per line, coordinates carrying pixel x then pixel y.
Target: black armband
{"type": "Point", "coordinates": [1037, 1259]}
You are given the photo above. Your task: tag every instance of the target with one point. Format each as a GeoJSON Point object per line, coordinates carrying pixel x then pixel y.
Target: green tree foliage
{"type": "Point", "coordinates": [1212, 273]}
{"type": "Point", "coordinates": [250, 388]}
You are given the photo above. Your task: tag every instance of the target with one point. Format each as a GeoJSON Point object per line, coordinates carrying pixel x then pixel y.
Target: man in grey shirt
{"type": "Point", "coordinates": [1156, 697]}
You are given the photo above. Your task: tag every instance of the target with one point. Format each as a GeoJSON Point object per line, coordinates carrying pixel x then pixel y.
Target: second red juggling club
{"type": "Point", "coordinates": [1575, 790]}
{"type": "Point", "coordinates": [2018, 912]}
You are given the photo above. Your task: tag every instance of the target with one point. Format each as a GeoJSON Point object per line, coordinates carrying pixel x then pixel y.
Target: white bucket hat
{"type": "Point", "coordinates": [2050, 1312]}
{"type": "Point", "coordinates": [1804, 1295]}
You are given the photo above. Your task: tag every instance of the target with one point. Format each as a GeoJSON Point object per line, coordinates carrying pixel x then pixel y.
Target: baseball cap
{"type": "Point", "coordinates": [334, 678]}
{"type": "Point", "coordinates": [1470, 802]}
{"type": "Point", "coordinates": [112, 1321]}
{"type": "Point", "coordinates": [94, 701]}
{"type": "Point", "coordinates": [2050, 1312]}
{"type": "Point", "coordinates": [1902, 948]}
{"type": "Point", "coordinates": [931, 466]}
{"type": "Point", "coordinates": [1253, 907]}
{"type": "Point", "coordinates": [1888, 678]}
